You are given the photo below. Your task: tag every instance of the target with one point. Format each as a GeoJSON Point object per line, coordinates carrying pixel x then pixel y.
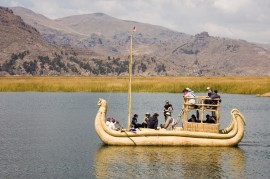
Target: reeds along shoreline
{"type": "Point", "coordinates": [233, 85]}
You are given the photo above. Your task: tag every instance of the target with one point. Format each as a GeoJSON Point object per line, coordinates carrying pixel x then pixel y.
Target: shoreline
{"type": "Point", "coordinates": [259, 86]}
{"type": "Point", "coordinates": [263, 95]}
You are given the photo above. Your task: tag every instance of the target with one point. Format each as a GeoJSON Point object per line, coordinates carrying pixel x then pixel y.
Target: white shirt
{"type": "Point", "coordinates": [191, 97]}
{"type": "Point", "coordinates": [107, 123]}
{"type": "Point", "coordinates": [112, 125]}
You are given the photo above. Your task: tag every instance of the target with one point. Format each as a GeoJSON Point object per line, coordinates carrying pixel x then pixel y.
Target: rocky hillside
{"type": "Point", "coordinates": [19, 43]}
{"type": "Point", "coordinates": [98, 44]}
{"type": "Point", "coordinates": [23, 51]}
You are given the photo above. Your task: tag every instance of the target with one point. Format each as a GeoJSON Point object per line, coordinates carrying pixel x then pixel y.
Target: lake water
{"type": "Point", "coordinates": [52, 135]}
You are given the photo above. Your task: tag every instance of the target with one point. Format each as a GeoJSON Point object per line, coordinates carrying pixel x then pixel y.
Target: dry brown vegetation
{"type": "Point", "coordinates": [239, 85]}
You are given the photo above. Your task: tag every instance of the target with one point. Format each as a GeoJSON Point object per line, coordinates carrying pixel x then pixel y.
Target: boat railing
{"type": "Point", "coordinates": [201, 106]}
{"type": "Point", "coordinates": [201, 102]}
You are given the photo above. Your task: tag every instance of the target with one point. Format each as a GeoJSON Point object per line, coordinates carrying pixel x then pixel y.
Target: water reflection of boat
{"type": "Point", "coordinates": [169, 162]}
{"type": "Point", "coordinates": [191, 135]}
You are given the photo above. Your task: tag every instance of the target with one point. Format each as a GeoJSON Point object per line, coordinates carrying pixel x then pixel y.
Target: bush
{"type": "Point", "coordinates": [30, 67]}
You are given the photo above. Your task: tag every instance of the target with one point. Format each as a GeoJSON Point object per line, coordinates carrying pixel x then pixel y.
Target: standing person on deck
{"type": "Point", "coordinates": [188, 93]}
{"type": "Point", "coordinates": [167, 108]}
{"type": "Point", "coordinates": [209, 94]}
{"type": "Point", "coordinates": [215, 95]}
{"type": "Point", "coordinates": [209, 91]}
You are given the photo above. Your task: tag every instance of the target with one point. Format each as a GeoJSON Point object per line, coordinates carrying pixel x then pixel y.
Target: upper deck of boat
{"type": "Point", "coordinates": [203, 105]}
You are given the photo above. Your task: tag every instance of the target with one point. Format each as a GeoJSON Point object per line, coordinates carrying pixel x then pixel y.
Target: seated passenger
{"type": "Point", "coordinates": [118, 126]}
{"type": "Point", "coordinates": [192, 119]}
{"type": "Point", "coordinates": [132, 128]}
{"type": "Point", "coordinates": [112, 124]}
{"type": "Point", "coordinates": [135, 121]}
{"type": "Point", "coordinates": [108, 121]}
{"type": "Point", "coordinates": [153, 121]}
{"type": "Point", "coordinates": [210, 119]}
{"type": "Point", "coordinates": [146, 118]}
{"type": "Point", "coordinates": [168, 123]}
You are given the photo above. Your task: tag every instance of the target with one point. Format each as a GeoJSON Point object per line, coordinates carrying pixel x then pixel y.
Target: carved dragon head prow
{"type": "Point", "coordinates": [102, 104]}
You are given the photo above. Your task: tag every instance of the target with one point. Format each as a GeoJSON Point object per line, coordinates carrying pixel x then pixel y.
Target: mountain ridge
{"type": "Point", "coordinates": [157, 50]}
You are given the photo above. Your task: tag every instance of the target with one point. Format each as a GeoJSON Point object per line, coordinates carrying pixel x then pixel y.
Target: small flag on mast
{"type": "Point", "coordinates": [134, 29]}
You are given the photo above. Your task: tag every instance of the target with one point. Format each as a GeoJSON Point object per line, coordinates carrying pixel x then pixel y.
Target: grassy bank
{"type": "Point", "coordinates": [239, 85]}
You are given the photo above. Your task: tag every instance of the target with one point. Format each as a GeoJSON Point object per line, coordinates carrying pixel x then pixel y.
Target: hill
{"type": "Point", "coordinates": [19, 43]}
{"type": "Point", "coordinates": [23, 51]}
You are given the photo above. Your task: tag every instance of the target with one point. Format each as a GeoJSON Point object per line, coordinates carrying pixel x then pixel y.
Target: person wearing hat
{"type": "Point", "coordinates": [209, 91]}
{"type": "Point", "coordinates": [168, 123]}
{"type": "Point", "coordinates": [153, 121]}
{"type": "Point", "coordinates": [146, 118]}
{"type": "Point", "coordinates": [188, 93]}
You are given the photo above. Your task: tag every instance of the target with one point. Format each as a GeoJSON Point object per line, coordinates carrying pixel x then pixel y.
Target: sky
{"type": "Point", "coordinates": [238, 19]}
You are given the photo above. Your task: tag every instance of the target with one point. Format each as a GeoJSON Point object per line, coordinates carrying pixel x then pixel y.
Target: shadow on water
{"type": "Point", "coordinates": [169, 162]}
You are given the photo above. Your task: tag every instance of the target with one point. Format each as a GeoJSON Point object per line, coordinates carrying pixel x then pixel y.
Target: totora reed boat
{"type": "Point", "coordinates": [189, 134]}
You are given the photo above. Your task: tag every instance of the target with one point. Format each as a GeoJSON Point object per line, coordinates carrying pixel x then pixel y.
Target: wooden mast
{"type": "Point", "coordinates": [129, 84]}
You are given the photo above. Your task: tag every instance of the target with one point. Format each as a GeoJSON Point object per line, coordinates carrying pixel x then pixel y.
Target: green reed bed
{"type": "Point", "coordinates": [239, 85]}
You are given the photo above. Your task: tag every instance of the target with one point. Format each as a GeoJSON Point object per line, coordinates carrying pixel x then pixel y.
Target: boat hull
{"type": "Point", "coordinates": [230, 136]}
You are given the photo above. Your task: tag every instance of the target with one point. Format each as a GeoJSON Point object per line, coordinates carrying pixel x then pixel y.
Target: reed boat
{"type": "Point", "coordinates": [188, 134]}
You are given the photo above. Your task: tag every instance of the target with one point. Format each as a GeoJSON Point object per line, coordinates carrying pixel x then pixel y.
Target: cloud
{"type": "Point", "coordinates": [231, 6]}
{"type": "Point", "coordinates": [241, 19]}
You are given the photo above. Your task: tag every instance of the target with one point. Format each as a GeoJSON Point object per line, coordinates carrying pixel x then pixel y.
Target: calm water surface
{"type": "Point", "coordinates": [52, 135]}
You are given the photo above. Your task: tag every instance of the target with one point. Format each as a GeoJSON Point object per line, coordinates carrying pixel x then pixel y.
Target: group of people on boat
{"type": "Point", "coordinates": [169, 122]}
{"type": "Point", "coordinates": [211, 94]}
{"type": "Point", "coordinates": [211, 100]}
{"type": "Point", "coordinates": [209, 119]}
{"type": "Point", "coordinates": [148, 122]}
{"type": "Point", "coordinates": [152, 121]}
{"type": "Point", "coordinates": [113, 124]}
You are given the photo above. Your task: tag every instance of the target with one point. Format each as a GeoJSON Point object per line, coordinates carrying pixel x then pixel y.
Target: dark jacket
{"type": "Point", "coordinates": [215, 96]}
{"type": "Point", "coordinates": [152, 122]}
{"type": "Point", "coordinates": [134, 121]}
{"type": "Point", "coordinates": [210, 120]}
{"type": "Point", "coordinates": [167, 108]}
